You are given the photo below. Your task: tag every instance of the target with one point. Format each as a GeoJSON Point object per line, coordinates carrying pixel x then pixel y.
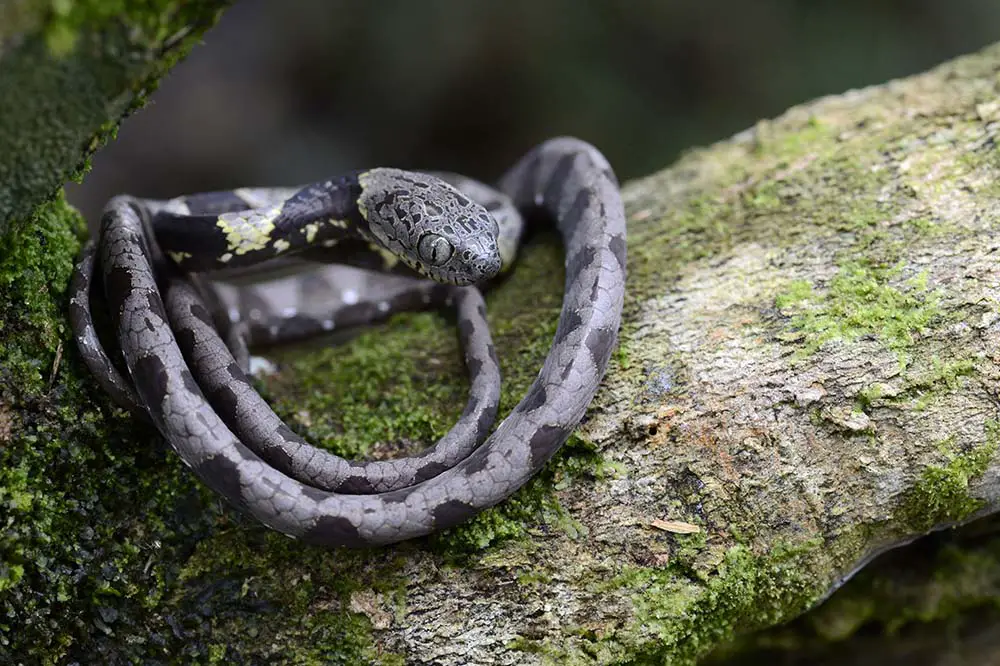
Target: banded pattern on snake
{"type": "Point", "coordinates": [186, 362]}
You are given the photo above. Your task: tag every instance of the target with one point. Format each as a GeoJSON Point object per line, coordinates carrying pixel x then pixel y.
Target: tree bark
{"type": "Point", "coordinates": [807, 375]}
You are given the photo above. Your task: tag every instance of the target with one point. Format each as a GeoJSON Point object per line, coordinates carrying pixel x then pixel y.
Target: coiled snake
{"type": "Point", "coordinates": [186, 356]}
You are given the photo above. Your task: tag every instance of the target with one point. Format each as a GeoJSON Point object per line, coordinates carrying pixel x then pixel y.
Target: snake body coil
{"type": "Point", "coordinates": [186, 363]}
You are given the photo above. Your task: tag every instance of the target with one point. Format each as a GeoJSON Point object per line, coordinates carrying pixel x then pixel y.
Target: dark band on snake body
{"type": "Point", "coordinates": [573, 183]}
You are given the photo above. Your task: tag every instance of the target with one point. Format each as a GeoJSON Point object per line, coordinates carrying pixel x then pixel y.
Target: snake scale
{"type": "Point", "coordinates": [185, 353]}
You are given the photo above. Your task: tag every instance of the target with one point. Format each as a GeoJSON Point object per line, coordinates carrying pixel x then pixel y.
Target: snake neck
{"type": "Point", "coordinates": [242, 227]}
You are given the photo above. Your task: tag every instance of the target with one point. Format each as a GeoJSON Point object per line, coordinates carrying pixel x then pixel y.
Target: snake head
{"type": "Point", "coordinates": [429, 225]}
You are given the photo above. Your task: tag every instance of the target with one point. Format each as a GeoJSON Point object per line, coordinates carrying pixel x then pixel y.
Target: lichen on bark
{"type": "Point", "coordinates": [807, 372]}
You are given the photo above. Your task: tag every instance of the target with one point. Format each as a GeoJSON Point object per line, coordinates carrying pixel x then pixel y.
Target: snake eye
{"type": "Point", "coordinates": [434, 249]}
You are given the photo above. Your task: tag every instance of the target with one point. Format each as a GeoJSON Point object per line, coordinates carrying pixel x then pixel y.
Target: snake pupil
{"type": "Point", "coordinates": [434, 249]}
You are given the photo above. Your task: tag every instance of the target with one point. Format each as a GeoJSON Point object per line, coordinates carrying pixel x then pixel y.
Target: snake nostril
{"type": "Point", "coordinates": [491, 267]}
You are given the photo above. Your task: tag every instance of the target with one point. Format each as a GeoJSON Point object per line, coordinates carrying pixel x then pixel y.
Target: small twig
{"type": "Point", "coordinates": [55, 365]}
{"type": "Point", "coordinates": [675, 526]}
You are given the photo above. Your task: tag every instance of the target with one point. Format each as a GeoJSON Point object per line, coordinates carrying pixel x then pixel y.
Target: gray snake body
{"type": "Point", "coordinates": [182, 375]}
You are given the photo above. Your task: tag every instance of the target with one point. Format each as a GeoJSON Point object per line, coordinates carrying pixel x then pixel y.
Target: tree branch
{"type": "Point", "coordinates": [807, 374]}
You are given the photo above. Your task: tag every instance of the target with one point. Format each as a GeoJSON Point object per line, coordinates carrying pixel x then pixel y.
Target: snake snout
{"type": "Point", "coordinates": [484, 264]}
{"type": "Point", "coordinates": [492, 266]}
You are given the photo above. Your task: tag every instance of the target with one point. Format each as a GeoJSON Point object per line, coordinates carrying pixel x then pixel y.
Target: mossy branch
{"type": "Point", "coordinates": [807, 375]}
{"type": "Point", "coordinates": [69, 73]}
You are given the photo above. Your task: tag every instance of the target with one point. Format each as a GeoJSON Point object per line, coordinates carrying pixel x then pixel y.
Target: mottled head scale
{"type": "Point", "coordinates": [435, 229]}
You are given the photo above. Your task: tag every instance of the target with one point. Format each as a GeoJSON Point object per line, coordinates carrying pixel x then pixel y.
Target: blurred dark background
{"type": "Point", "coordinates": [290, 92]}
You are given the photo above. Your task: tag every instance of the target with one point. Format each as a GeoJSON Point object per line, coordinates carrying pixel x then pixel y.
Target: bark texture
{"type": "Point", "coordinates": [807, 375]}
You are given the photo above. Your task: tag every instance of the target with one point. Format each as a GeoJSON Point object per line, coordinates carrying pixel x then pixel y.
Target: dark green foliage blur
{"type": "Point", "coordinates": [288, 92]}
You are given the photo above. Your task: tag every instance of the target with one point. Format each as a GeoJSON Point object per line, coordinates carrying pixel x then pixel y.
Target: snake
{"type": "Point", "coordinates": [180, 354]}
{"type": "Point", "coordinates": [220, 366]}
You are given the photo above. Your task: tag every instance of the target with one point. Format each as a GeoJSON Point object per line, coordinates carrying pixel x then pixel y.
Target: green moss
{"type": "Point", "coordinates": [89, 506]}
{"type": "Point", "coordinates": [808, 184]}
{"type": "Point", "coordinates": [941, 494]}
{"type": "Point", "coordinates": [88, 65]}
{"type": "Point", "coordinates": [146, 511]}
{"type": "Point", "coordinates": [160, 572]}
{"type": "Point", "coordinates": [404, 382]}
{"type": "Point", "coordinates": [699, 229]}
{"type": "Point", "coordinates": [356, 395]}
{"type": "Point", "coordinates": [796, 292]}
{"type": "Point", "coordinates": [861, 299]}
{"type": "Point", "coordinates": [955, 579]}
{"type": "Point", "coordinates": [313, 597]}
{"type": "Point", "coordinates": [523, 335]}
{"type": "Point", "coordinates": [941, 579]}
{"type": "Point", "coordinates": [859, 219]}
{"type": "Point", "coordinates": [534, 578]}
{"type": "Point", "coordinates": [62, 21]}
{"type": "Point", "coordinates": [868, 395]}
{"type": "Point", "coordinates": [922, 388]}
{"type": "Point", "coordinates": [749, 591]}
{"type": "Point", "coordinates": [765, 197]}
{"type": "Point", "coordinates": [67, 456]}
{"type": "Point", "coordinates": [151, 24]}
{"type": "Point", "coordinates": [923, 225]}
{"type": "Point", "coordinates": [919, 388]}
{"type": "Point", "coordinates": [943, 374]}
{"type": "Point", "coordinates": [678, 620]}
{"type": "Point", "coordinates": [533, 504]}
{"type": "Point", "coordinates": [811, 136]}
{"type": "Point", "coordinates": [802, 181]}
{"type": "Point", "coordinates": [35, 263]}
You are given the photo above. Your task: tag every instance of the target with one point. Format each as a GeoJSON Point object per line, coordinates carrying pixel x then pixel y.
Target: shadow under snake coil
{"type": "Point", "coordinates": [186, 359]}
